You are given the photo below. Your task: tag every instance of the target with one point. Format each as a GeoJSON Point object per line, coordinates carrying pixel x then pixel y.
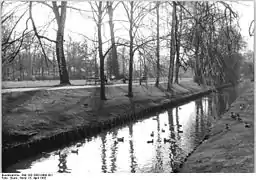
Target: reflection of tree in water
{"type": "Point", "coordinates": [103, 154]}
{"type": "Point", "coordinates": [216, 104]}
{"type": "Point", "coordinates": [159, 163]}
{"type": "Point", "coordinates": [209, 114]}
{"type": "Point", "coordinates": [222, 100]}
{"type": "Point", "coordinates": [197, 117]}
{"type": "Point", "coordinates": [202, 124]}
{"type": "Point", "coordinates": [229, 95]}
{"type": "Point", "coordinates": [222, 104]}
{"type": "Point", "coordinates": [177, 121]}
{"type": "Point", "coordinates": [63, 164]}
{"type": "Point", "coordinates": [113, 153]}
{"type": "Point", "coordinates": [219, 102]}
{"type": "Point", "coordinates": [209, 106]}
{"type": "Point", "coordinates": [227, 102]}
{"type": "Point", "coordinates": [172, 146]}
{"type": "Point", "coordinates": [133, 158]}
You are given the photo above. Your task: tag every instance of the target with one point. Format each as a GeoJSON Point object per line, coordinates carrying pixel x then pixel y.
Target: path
{"type": "Point", "coordinates": [73, 87]}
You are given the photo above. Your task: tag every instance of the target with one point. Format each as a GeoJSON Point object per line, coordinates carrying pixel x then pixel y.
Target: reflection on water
{"type": "Point", "coordinates": [155, 144]}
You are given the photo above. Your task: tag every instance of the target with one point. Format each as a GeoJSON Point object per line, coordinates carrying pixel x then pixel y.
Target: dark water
{"type": "Point", "coordinates": [184, 125]}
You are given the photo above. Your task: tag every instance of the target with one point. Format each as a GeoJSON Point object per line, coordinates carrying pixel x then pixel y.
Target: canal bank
{"type": "Point", "coordinates": [231, 149]}
{"type": "Point", "coordinates": [34, 127]}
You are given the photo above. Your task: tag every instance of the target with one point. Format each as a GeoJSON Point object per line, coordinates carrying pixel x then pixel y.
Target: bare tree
{"type": "Point", "coordinates": [178, 29]}
{"type": "Point", "coordinates": [172, 47]}
{"type": "Point", "coordinates": [134, 23]}
{"type": "Point", "coordinates": [60, 17]}
{"type": "Point", "coordinates": [11, 41]}
{"type": "Point", "coordinates": [99, 11]}
{"type": "Point", "coordinates": [114, 66]}
{"type": "Point", "coordinates": [157, 45]}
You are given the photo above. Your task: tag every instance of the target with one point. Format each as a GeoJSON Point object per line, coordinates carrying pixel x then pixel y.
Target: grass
{"type": "Point", "coordinates": [29, 116]}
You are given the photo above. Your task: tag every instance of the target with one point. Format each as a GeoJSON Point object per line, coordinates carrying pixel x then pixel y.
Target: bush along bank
{"type": "Point", "coordinates": [13, 154]}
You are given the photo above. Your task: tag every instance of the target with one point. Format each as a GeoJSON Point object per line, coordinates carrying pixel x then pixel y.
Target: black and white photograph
{"type": "Point", "coordinates": [127, 87]}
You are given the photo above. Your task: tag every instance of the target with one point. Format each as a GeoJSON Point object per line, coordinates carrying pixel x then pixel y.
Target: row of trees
{"type": "Point", "coordinates": [203, 36]}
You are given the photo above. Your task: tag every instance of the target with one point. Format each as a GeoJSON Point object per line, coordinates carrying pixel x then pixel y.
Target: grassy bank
{"type": "Point", "coordinates": [38, 114]}
{"type": "Point", "coordinates": [228, 150]}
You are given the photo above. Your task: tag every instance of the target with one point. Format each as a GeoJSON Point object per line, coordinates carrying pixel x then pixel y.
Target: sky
{"type": "Point", "coordinates": [83, 24]}
{"type": "Point", "coordinates": [246, 12]}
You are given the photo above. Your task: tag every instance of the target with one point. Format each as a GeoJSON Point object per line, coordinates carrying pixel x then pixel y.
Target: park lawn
{"type": "Point", "coordinates": [39, 114]}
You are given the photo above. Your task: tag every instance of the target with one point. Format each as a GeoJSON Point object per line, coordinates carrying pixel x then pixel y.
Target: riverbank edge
{"type": "Point", "coordinates": [181, 167]}
{"type": "Point", "coordinates": [25, 150]}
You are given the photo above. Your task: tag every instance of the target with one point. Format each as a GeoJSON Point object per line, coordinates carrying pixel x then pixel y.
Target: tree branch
{"type": "Point", "coordinates": [37, 35]}
{"type": "Point", "coordinates": [251, 33]}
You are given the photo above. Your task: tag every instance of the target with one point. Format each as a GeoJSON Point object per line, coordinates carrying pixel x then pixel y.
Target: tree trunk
{"type": "Point", "coordinates": [20, 67]}
{"type": "Point", "coordinates": [64, 77]}
{"type": "Point", "coordinates": [196, 43]}
{"type": "Point", "coordinates": [102, 79]}
{"type": "Point", "coordinates": [61, 18]}
{"type": "Point", "coordinates": [13, 70]}
{"type": "Point", "coordinates": [131, 53]}
{"type": "Point", "coordinates": [123, 60]}
{"type": "Point", "coordinates": [178, 38]}
{"type": "Point", "coordinates": [42, 68]}
{"type": "Point", "coordinates": [157, 45]}
{"type": "Point", "coordinates": [96, 71]}
{"type": "Point", "coordinates": [172, 49]}
{"type": "Point", "coordinates": [114, 62]}
{"type": "Point", "coordinates": [30, 73]}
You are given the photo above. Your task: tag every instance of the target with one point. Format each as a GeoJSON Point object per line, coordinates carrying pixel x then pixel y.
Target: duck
{"type": "Point", "coordinates": [168, 140]}
{"type": "Point", "coordinates": [78, 144]}
{"type": "Point", "coordinates": [74, 151]}
{"type": "Point", "coordinates": [233, 115]}
{"type": "Point", "coordinates": [227, 126]}
{"type": "Point", "coordinates": [121, 139]}
{"type": "Point", "coordinates": [238, 117]}
{"type": "Point", "coordinates": [241, 106]}
{"type": "Point", "coordinates": [247, 125]}
{"type": "Point", "coordinates": [151, 141]}
{"type": "Point", "coordinates": [165, 124]}
{"type": "Point", "coordinates": [152, 134]}
{"type": "Point", "coordinates": [163, 130]}
{"type": "Point", "coordinates": [179, 131]}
